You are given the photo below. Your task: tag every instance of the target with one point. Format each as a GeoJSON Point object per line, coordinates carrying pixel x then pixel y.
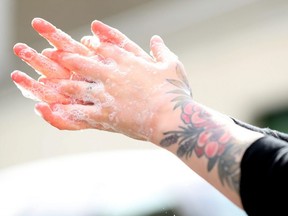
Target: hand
{"type": "Point", "coordinates": [118, 87]}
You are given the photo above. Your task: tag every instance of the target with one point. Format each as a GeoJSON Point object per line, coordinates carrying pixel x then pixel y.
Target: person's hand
{"type": "Point", "coordinates": [108, 84]}
{"type": "Point", "coordinates": [44, 66]}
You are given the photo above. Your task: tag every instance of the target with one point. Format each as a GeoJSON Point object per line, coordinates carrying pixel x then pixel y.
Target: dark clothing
{"type": "Point", "coordinates": [264, 177]}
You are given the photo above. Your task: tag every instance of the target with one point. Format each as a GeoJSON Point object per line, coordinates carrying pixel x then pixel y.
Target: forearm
{"type": "Point", "coordinates": [209, 143]}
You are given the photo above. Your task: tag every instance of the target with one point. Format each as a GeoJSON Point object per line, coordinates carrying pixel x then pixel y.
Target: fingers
{"type": "Point", "coordinates": [32, 89]}
{"type": "Point", "coordinates": [87, 67]}
{"type": "Point", "coordinates": [92, 42]}
{"type": "Point", "coordinates": [72, 117]}
{"type": "Point", "coordinates": [111, 35]}
{"type": "Point", "coordinates": [58, 38]}
{"type": "Point", "coordinates": [61, 113]}
{"type": "Point", "coordinates": [113, 52]}
{"type": "Point", "coordinates": [40, 63]}
{"type": "Point", "coordinates": [160, 51]}
{"type": "Point", "coordinates": [62, 91]}
{"type": "Point", "coordinates": [103, 49]}
{"type": "Point", "coordinates": [106, 51]}
{"type": "Point", "coordinates": [63, 41]}
{"type": "Point", "coordinates": [81, 91]}
{"type": "Point", "coordinates": [57, 120]}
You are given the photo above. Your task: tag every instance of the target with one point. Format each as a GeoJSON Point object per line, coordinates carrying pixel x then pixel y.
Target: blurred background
{"type": "Point", "coordinates": [235, 53]}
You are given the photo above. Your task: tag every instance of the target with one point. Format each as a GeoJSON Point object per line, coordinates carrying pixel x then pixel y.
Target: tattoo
{"type": "Point", "coordinates": [201, 136]}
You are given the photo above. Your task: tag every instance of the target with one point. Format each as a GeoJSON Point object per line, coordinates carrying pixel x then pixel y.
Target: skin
{"type": "Point", "coordinates": [108, 82]}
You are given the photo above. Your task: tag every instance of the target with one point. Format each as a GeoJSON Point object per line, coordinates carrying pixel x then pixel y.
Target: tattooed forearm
{"type": "Point", "coordinates": [202, 136]}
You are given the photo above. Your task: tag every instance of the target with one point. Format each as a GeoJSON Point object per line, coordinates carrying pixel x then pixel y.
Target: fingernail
{"type": "Point", "coordinates": [15, 76]}
{"type": "Point", "coordinates": [18, 47]}
{"type": "Point", "coordinates": [24, 52]}
{"type": "Point", "coordinates": [42, 26]}
{"type": "Point", "coordinates": [157, 39]}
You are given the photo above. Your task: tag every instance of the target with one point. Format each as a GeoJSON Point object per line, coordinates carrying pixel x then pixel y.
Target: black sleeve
{"type": "Point", "coordinates": [264, 177]}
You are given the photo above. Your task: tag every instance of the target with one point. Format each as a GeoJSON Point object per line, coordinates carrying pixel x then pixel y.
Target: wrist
{"type": "Point", "coordinates": [190, 115]}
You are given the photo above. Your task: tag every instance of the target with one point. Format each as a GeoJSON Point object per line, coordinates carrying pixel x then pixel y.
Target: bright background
{"type": "Point", "coordinates": [235, 53]}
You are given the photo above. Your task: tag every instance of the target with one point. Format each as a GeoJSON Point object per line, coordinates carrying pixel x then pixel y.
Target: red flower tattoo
{"type": "Point", "coordinates": [201, 136]}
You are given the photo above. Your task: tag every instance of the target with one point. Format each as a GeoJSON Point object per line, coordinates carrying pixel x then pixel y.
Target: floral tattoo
{"type": "Point", "coordinates": [201, 136]}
